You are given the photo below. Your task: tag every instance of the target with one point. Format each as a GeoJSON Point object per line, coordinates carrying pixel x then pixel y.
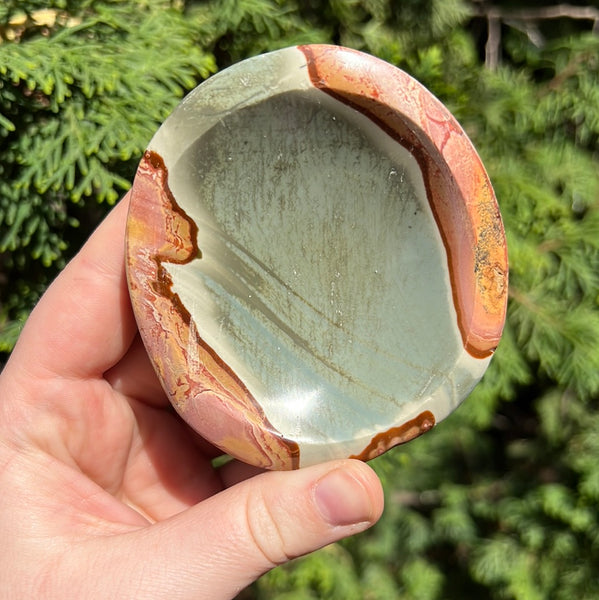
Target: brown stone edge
{"type": "Point", "coordinates": [162, 285]}
{"type": "Point", "coordinates": [372, 109]}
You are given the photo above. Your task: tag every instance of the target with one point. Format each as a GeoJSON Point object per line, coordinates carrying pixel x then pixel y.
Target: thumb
{"type": "Point", "coordinates": [218, 547]}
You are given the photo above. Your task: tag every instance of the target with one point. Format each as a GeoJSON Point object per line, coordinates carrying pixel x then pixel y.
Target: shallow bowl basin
{"type": "Point", "coordinates": [316, 259]}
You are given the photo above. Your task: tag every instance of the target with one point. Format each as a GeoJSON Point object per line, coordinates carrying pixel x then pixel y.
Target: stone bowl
{"type": "Point", "coordinates": [315, 257]}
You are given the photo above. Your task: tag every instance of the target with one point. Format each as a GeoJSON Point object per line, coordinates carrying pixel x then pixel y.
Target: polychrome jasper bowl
{"type": "Point", "coordinates": [316, 259]}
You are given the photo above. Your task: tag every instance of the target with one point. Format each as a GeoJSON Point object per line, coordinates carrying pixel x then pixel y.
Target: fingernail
{"type": "Point", "coordinates": [342, 499]}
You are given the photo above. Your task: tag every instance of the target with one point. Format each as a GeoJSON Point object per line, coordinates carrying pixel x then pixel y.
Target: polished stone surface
{"type": "Point", "coordinates": [315, 258]}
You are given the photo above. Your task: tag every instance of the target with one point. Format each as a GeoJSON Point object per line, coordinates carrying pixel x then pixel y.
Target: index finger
{"type": "Point", "coordinates": [84, 323]}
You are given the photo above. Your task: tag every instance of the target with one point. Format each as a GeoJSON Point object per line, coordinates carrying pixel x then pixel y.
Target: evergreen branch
{"type": "Point", "coordinates": [557, 11]}
{"type": "Point", "coordinates": [529, 17]}
{"type": "Point", "coordinates": [6, 123]}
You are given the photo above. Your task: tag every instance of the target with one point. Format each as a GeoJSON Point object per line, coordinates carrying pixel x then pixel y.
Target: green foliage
{"type": "Point", "coordinates": [328, 574]}
{"type": "Point", "coordinates": [80, 97]}
{"type": "Point", "coordinates": [250, 27]}
{"type": "Point", "coordinates": [499, 501]}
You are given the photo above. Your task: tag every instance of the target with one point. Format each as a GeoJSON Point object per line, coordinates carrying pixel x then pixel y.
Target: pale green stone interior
{"type": "Point", "coordinates": [323, 281]}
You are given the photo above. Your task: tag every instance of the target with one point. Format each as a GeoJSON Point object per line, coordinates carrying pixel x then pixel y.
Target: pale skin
{"type": "Point", "coordinates": [106, 493]}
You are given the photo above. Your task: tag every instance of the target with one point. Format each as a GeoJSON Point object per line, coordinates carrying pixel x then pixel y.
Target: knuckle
{"type": "Point", "coordinates": [265, 533]}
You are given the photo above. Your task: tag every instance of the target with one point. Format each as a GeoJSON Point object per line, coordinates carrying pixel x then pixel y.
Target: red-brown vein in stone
{"type": "Point", "coordinates": [397, 435]}
{"type": "Point", "coordinates": [457, 186]}
{"type": "Point", "coordinates": [205, 391]}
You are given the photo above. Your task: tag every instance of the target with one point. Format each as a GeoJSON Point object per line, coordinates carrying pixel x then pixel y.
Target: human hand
{"type": "Point", "coordinates": [106, 493]}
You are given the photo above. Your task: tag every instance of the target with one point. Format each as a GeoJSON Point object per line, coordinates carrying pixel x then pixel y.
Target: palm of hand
{"type": "Point", "coordinates": [111, 456]}
{"type": "Point", "coordinates": [106, 493]}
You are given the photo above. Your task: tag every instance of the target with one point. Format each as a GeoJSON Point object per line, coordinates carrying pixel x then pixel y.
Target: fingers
{"type": "Point", "coordinates": [221, 545]}
{"type": "Point", "coordinates": [84, 323]}
{"type": "Point", "coordinates": [135, 377]}
{"type": "Point", "coordinates": [167, 472]}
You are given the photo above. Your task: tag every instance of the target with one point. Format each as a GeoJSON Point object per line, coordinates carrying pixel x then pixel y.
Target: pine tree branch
{"type": "Point", "coordinates": [526, 19]}
{"type": "Point", "coordinates": [569, 70]}
{"type": "Point", "coordinates": [493, 39]}
{"type": "Point", "coordinates": [559, 11]}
